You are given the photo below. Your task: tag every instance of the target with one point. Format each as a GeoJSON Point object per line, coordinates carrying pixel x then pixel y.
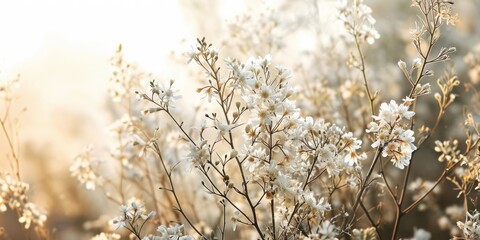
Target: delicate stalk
{"type": "Point", "coordinates": [12, 150]}
{"type": "Point", "coordinates": [172, 189]}
{"type": "Point", "coordinates": [364, 75]}
{"type": "Point", "coordinates": [364, 182]}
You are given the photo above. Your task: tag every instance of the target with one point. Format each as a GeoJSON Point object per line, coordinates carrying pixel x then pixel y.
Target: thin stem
{"type": "Point", "coordinates": [432, 31]}
{"type": "Point", "coordinates": [398, 216]}
{"type": "Point", "coordinates": [172, 188]}
{"type": "Point", "coordinates": [150, 183]}
{"type": "Point", "coordinates": [224, 221]}
{"type": "Point", "coordinates": [272, 209]}
{"type": "Point", "coordinates": [390, 191]}
{"type": "Point", "coordinates": [370, 219]}
{"type": "Point", "coordinates": [364, 75]}
{"type": "Point", "coordinates": [364, 183]}
{"type": "Point", "coordinates": [12, 149]}
{"type": "Point", "coordinates": [305, 184]}
{"type": "Point", "coordinates": [439, 179]}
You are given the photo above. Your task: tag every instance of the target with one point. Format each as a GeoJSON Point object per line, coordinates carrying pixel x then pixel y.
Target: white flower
{"type": "Point", "coordinates": [396, 139]}
{"type": "Point", "coordinates": [358, 21]}
{"type": "Point", "coordinates": [199, 154]}
{"type": "Point", "coordinates": [421, 234]}
{"type": "Point", "coordinates": [283, 72]}
{"type": "Point", "coordinates": [168, 94]}
{"type": "Point", "coordinates": [119, 223]}
{"type": "Point", "coordinates": [265, 92]}
{"type": "Point", "coordinates": [387, 112]}
{"type": "Point", "coordinates": [235, 219]}
{"type": "Point", "coordinates": [106, 236]}
{"type": "Point", "coordinates": [417, 63]}
{"type": "Point", "coordinates": [192, 52]}
{"type": "Point", "coordinates": [186, 237]}
{"type": "Point", "coordinates": [245, 78]}
{"type": "Point", "coordinates": [84, 169]}
{"type": "Point", "coordinates": [125, 209]}
{"type": "Point", "coordinates": [328, 230]}
{"type": "Point", "coordinates": [406, 138]}
{"type": "Point", "coordinates": [371, 35]}
{"type": "Point", "coordinates": [402, 110]}
{"type": "Point", "coordinates": [222, 127]}
{"type": "Point", "coordinates": [373, 128]}
{"type": "Point", "coordinates": [173, 232]}
{"type": "Point", "coordinates": [176, 230]}
{"type": "Point", "coordinates": [13, 195]}
{"type": "Point", "coordinates": [149, 215]}
{"type": "Point", "coordinates": [471, 226]}
{"type": "Point", "coordinates": [351, 158]}
{"type": "Point", "coordinates": [402, 65]}
{"type": "Point", "coordinates": [351, 145]}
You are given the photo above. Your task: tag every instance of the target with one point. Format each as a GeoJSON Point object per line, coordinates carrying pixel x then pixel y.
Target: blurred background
{"type": "Point", "coordinates": [62, 49]}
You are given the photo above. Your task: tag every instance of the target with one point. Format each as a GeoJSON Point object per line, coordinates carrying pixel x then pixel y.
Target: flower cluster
{"type": "Point", "coordinates": [283, 152]}
{"type": "Point", "coordinates": [278, 162]}
{"type": "Point", "coordinates": [6, 87]}
{"type": "Point", "coordinates": [165, 94]}
{"type": "Point", "coordinates": [134, 217]}
{"type": "Point", "coordinates": [473, 61]}
{"type": "Point", "coordinates": [13, 196]}
{"type": "Point", "coordinates": [176, 232]}
{"type": "Point", "coordinates": [391, 135]}
{"type": "Point", "coordinates": [124, 130]}
{"type": "Point", "coordinates": [252, 33]}
{"type": "Point", "coordinates": [449, 151]}
{"type": "Point", "coordinates": [471, 226]}
{"type": "Point", "coordinates": [442, 9]}
{"type": "Point", "coordinates": [106, 236]}
{"type": "Point", "coordinates": [421, 234]}
{"type": "Point", "coordinates": [200, 154]}
{"type": "Point", "coordinates": [361, 234]}
{"type": "Point", "coordinates": [124, 76]}
{"type": "Point", "coordinates": [84, 169]}
{"type": "Point", "coordinates": [358, 21]}
{"type": "Point", "coordinates": [469, 172]}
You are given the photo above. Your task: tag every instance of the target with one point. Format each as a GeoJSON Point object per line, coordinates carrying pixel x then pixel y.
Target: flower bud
{"type": "Point", "coordinates": [233, 154]}
{"type": "Point", "coordinates": [417, 62]}
{"type": "Point", "coordinates": [402, 65]}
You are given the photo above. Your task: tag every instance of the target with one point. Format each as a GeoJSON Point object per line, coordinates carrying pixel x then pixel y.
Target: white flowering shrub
{"type": "Point", "coordinates": [324, 147]}
{"type": "Point", "coordinates": [268, 168]}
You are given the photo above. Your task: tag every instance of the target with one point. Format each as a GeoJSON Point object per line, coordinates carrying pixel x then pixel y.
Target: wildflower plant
{"type": "Point", "coordinates": [139, 172]}
{"type": "Point", "coordinates": [14, 191]}
{"type": "Point", "coordinates": [282, 156]}
{"type": "Point", "coordinates": [265, 167]}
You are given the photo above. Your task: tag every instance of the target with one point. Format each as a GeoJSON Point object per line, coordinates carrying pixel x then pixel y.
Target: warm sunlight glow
{"type": "Point", "coordinates": [239, 119]}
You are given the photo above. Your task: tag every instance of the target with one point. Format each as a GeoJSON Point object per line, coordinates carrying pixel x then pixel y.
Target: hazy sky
{"type": "Point", "coordinates": [61, 50]}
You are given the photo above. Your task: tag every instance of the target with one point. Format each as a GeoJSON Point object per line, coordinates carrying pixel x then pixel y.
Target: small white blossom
{"type": "Point", "coordinates": [396, 140]}
{"type": "Point", "coordinates": [106, 236]}
{"type": "Point", "coordinates": [402, 65]}
{"type": "Point", "coordinates": [358, 21]}
{"type": "Point", "coordinates": [421, 234]}
{"type": "Point", "coordinates": [471, 226]}
{"type": "Point", "coordinates": [192, 52]}
{"type": "Point", "coordinates": [13, 196]}
{"type": "Point", "coordinates": [199, 154]}
{"type": "Point", "coordinates": [84, 169]}
{"type": "Point", "coordinates": [235, 218]}
{"type": "Point", "coordinates": [417, 63]}
{"type": "Point", "coordinates": [328, 230]}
